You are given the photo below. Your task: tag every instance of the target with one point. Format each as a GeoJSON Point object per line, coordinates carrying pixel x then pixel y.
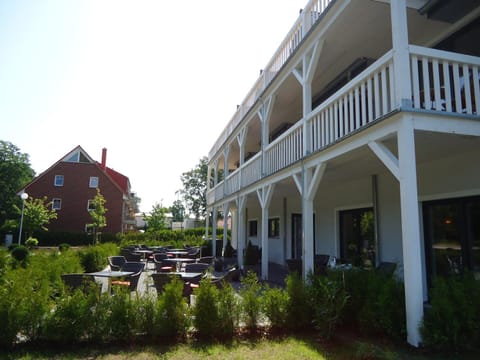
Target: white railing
{"type": "Point", "coordinates": [445, 81]}
{"type": "Point", "coordinates": [210, 196]}
{"type": "Point", "coordinates": [219, 191]}
{"type": "Point", "coordinates": [252, 170]}
{"type": "Point", "coordinates": [366, 98]}
{"type": "Point", "coordinates": [311, 14]}
{"type": "Point", "coordinates": [285, 150]}
{"type": "Point", "coordinates": [232, 183]}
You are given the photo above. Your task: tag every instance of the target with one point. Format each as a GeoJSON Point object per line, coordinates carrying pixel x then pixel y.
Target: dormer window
{"type": "Point", "coordinates": [58, 180]}
{"type": "Point", "coordinates": [93, 182]}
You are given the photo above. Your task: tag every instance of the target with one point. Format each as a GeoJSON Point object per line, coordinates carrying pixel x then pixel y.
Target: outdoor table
{"type": "Point", "coordinates": [187, 276]}
{"type": "Point", "coordinates": [179, 261]}
{"type": "Point", "coordinates": [110, 274]}
{"type": "Point", "coordinates": [177, 252]}
{"type": "Point", "coordinates": [144, 253]}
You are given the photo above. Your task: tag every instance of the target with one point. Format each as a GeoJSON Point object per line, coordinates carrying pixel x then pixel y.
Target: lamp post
{"type": "Point", "coordinates": [24, 197]}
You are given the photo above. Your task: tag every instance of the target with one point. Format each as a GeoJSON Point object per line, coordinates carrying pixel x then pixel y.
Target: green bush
{"type": "Point", "coordinates": [328, 299]}
{"type": "Point", "coordinates": [298, 306]}
{"type": "Point", "coordinates": [31, 242]}
{"type": "Point", "coordinates": [228, 311]}
{"type": "Point", "coordinates": [274, 306]}
{"type": "Point", "coordinates": [123, 320]}
{"type": "Point", "coordinates": [453, 320]}
{"type": "Point", "coordinates": [206, 310]}
{"type": "Point", "coordinates": [376, 302]}
{"type": "Point", "coordinates": [20, 255]}
{"type": "Point", "coordinates": [250, 303]}
{"type": "Point", "coordinates": [95, 258]}
{"type": "Point", "coordinates": [171, 313]}
{"type": "Point", "coordinates": [63, 247]}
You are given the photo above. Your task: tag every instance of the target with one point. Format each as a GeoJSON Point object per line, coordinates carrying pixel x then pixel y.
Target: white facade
{"type": "Point", "coordinates": [361, 114]}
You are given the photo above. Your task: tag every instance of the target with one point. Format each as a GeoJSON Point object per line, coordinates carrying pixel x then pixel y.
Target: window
{"type": "Point", "coordinates": [274, 227]}
{"type": "Point", "coordinates": [56, 204]}
{"type": "Point", "coordinates": [89, 228]}
{"type": "Point", "coordinates": [452, 236]}
{"type": "Point", "coordinates": [357, 237]}
{"type": "Point", "coordinates": [252, 227]}
{"type": "Point", "coordinates": [91, 205]}
{"type": "Point", "coordinates": [93, 182]}
{"type": "Point", "coordinates": [58, 180]}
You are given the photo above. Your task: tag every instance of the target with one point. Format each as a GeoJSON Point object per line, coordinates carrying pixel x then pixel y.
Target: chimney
{"type": "Point", "coordinates": [104, 158]}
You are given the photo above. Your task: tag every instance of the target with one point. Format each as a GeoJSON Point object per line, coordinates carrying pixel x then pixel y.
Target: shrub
{"type": "Point", "coordinates": [20, 255]}
{"type": "Point", "coordinates": [250, 303]}
{"type": "Point", "coordinates": [274, 306]}
{"type": "Point", "coordinates": [298, 306]}
{"type": "Point", "coordinates": [171, 314]}
{"type": "Point", "coordinates": [228, 311]}
{"type": "Point", "coordinates": [328, 299]}
{"type": "Point", "coordinates": [95, 258]}
{"type": "Point", "coordinates": [123, 317]}
{"type": "Point", "coordinates": [31, 242]}
{"type": "Point", "coordinates": [63, 247]}
{"type": "Point", "coordinates": [376, 302]}
{"type": "Point", "coordinates": [206, 310]}
{"type": "Point", "coordinates": [453, 320]}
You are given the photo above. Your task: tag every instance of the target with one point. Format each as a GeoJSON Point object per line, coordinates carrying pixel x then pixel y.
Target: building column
{"type": "Point", "coordinates": [225, 225]}
{"type": "Point", "coordinates": [214, 231]}
{"type": "Point", "coordinates": [241, 200]}
{"type": "Point", "coordinates": [411, 242]}
{"type": "Point", "coordinates": [264, 197]}
{"type": "Point", "coordinates": [307, 185]}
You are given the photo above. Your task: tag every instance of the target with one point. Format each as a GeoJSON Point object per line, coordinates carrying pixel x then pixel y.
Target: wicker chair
{"type": "Point", "coordinates": [132, 280]}
{"type": "Point", "coordinates": [116, 262]}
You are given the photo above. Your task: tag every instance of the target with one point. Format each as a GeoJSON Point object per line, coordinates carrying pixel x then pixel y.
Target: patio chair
{"type": "Point", "coordinates": [196, 267]}
{"type": "Point", "coordinates": [321, 263]}
{"type": "Point", "coordinates": [228, 277]}
{"type": "Point", "coordinates": [130, 255]}
{"type": "Point", "coordinates": [161, 279]}
{"type": "Point", "coordinates": [132, 280]}
{"type": "Point", "coordinates": [116, 262]}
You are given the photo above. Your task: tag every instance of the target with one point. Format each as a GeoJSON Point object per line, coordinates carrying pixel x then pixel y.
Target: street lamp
{"type": "Point", "coordinates": [24, 197]}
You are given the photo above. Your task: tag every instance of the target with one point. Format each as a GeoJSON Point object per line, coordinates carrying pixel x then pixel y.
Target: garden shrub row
{"type": "Point", "coordinates": [35, 304]}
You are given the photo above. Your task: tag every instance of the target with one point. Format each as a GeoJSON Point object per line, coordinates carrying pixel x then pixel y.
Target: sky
{"type": "Point", "coordinates": [153, 81]}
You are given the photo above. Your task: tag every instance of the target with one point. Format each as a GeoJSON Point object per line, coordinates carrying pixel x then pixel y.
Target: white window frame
{"type": "Point", "coordinates": [88, 205]}
{"type": "Point", "coordinates": [93, 183]}
{"type": "Point", "coordinates": [58, 184]}
{"type": "Point", "coordinates": [53, 204]}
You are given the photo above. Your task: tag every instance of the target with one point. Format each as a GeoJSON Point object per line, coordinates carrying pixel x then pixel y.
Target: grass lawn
{"type": "Point", "coordinates": [344, 346]}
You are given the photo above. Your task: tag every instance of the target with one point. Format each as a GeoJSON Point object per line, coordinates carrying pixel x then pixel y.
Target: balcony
{"type": "Point", "coordinates": [442, 82]}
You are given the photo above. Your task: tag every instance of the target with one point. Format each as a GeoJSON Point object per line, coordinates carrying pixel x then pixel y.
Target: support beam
{"type": "Point", "coordinates": [225, 225]}
{"type": "Point", "coordinates": [241, 201]}
{"type": "Point", "coordinates": [311, 180]}
{"type": "Point", "coordinates": [411, 243]}
{"type": "Point", "coordinates": [401, 55]}
{"type": "Point", "coordinates": [387, 157]}
{"type": "Point", "coordinates": [214, 231]}
{"type": "Point", "coordinates": [264, 196]}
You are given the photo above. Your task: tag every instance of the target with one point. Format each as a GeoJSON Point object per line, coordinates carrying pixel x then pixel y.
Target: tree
{"type": "Point", "coordinates": [177, 210]}
{"type": "Point", "coordinates": [15, 172]}
{"type": "Point", "coordinates": [36, 215]}
{"type": "Point", "coordinates": [97, 214]}
{"type": "Point", "coordinates": [157, 219]}
{"type": "Point", "coordinates": [194, 190]}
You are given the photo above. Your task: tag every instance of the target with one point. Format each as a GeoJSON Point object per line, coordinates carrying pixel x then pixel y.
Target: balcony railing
{"type": "Point", "coordinates": [309, 16]}
{"type": "Point", "coordinates": [441, 82]}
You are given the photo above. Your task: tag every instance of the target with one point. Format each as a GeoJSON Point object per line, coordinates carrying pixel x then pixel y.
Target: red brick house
{"type": "Point", "coordinates": [71, 183]}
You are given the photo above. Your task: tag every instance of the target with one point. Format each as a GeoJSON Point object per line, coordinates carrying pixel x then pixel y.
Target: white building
{"type": "Point", "coordinates": [367, 114]}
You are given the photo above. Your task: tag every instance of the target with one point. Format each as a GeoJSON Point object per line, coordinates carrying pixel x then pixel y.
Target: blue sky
{"type": "Point", "coordinates": [153, 81]}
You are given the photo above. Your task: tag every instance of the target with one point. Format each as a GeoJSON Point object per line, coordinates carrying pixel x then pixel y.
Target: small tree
{"type": "Point", "coordinates": [156, 220]}
{"type": "Point", "coordinates": [37, 214]}
{"type": "Point", "coordinates": [177, 210]}
{"type": "Point", "coordinates": [97, 214]}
